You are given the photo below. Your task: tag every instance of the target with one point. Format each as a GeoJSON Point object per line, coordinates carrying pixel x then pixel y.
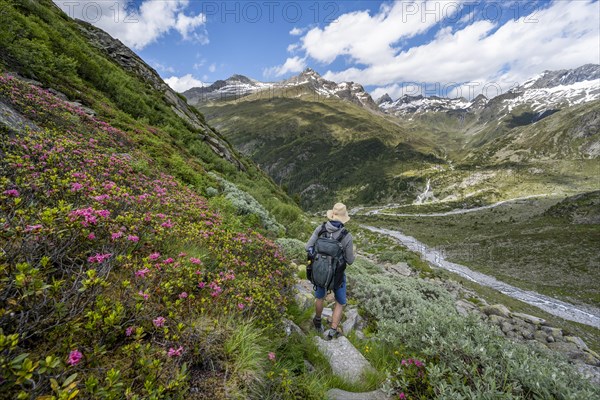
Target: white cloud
{"type": "Point", "coordinates": [293, 47]}
{"type": "Point", "coordinates": [564, 36]}
{"type": "Point", "coordinates": [183, 83]}
{"type": "Point", "coordinates": [370, 39]}
{"type": "Point", "coordinates": [212, 67]}
{"type": "Point", "coordinates": [297, 31]}
{"type": "Point", "coordinates": [295, 64]}
{"type": "Point", "coordinates": [163, 68]}
{"type": "Point", "coordinates": [142, 26]}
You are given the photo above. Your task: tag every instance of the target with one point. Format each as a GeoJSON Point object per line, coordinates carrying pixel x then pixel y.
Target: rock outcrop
{"type": "Point", "coordinates": [131, 62]}
{"type": "Point", "coordinates": [345, 360]}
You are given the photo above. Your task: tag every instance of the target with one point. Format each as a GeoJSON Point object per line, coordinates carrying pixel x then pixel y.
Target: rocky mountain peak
{"type": "Point", "coordinates": [384, 99]}
{"type": "Point", "coordinates": [309, 72]}
{"type": "Point", "coordinates": [563, 77]}
{"type": "Point", "coordinates": [240, 78]}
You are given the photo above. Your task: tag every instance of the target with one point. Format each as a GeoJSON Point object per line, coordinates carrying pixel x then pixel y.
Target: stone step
{"type": "Point", "coordinates": [345, 360]}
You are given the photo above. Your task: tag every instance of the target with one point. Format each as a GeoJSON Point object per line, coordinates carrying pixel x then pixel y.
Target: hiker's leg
{"type": "Point", "coordinates": [318, 308]}
{"type": "Point", "coordinates": [340, 302]}
{"type": "Point", "coordinates": [337, 315]}
{"type": "Point", "coordinates": [320, 294]}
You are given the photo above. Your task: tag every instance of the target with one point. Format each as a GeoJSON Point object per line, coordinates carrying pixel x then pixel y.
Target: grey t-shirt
{"type": "Point", "coordinates": [336, 232]}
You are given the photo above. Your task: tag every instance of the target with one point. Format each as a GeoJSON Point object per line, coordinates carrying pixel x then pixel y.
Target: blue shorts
{"type": "Point", "coordinates": [340, 293]}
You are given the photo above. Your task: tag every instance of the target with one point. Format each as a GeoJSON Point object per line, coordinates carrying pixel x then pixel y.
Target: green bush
{"type": "Point", "coordinates": [464, 356]}
{"type": "Point", "coordinates": [292, 248]}
{"type": "Point", "coordinates": [245, 204]}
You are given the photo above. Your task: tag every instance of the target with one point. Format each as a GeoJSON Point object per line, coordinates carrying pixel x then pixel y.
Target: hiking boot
{"type": "Point", "coordinates": [317, 324]}
{"type": "Point", "coordinates": [331, 333]}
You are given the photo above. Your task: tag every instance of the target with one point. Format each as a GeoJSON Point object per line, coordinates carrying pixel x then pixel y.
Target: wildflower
{"type": "Point", "coordinates": [99, 258]}
{"type": "Point", "coordinates": [144, 295]}
{"type": "Point", "coordinates": [175, 353]}
{"type": "Point", "coordinates": [133, 238]}
{"type": "Point", "coordinates": [183, 295]}
{"type": "Point", "coordinates": [159, 321]}
{"type": "Point", "coordinates": [141, 273]}
{"type": "Point", "coordinates": [201, 285]}
{"type": "Point", "coordinates": [75, 357]}
{"type": "Point", "coordinates": [91, 236]}
{"type": "Point", "coordinates": [76, 186]}
{"type": "Point", "coordinates": [167, 224]}
{"type": "Point", "coordinates": [129, 331]}
{"type": "Point", "coordinates": [30, 228]}
{"type": "Point", "coordinates": [154, 256]}
{"type": "Point", "coordinates": [195, 260]}
{"type": "Point", "coordinates": [241, 306]}
{"type": "Point", "coordinates": [182, 254]}
{"type": "Point", "coordinates": [116, 235]}
{"type": "Point", "coordinates": [103, 213]}
{"type": "Point", "coordinates": [272, 356]}
{"type": "Point", "coordinates": [168, 261]}
{"type": "Point", "coordinates": [12, 193]}
{"type": "Point", "coordinates": [402, 396]}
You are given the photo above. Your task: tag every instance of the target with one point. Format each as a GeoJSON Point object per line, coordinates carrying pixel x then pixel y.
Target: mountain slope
{"type": "Point", "coordinates": [323, 148]}
{"type": "Point", "coordinates": [92, 69]}
{"type": "Point", "coordinates": [130, 248]}
{"type": "Point", "coordinates": [292, 132]}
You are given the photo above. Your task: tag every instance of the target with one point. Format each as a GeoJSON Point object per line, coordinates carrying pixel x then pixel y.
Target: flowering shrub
{"type": "Point", "coordinates": [466, 359]}
{"type": "Point", "coordinates": [105, 268]}
{"type": "Point", "coordinates": [410, 381]}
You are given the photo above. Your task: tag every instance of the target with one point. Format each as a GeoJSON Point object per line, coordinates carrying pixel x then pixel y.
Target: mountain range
{"type": "Point", "coordinates": [301, 128]}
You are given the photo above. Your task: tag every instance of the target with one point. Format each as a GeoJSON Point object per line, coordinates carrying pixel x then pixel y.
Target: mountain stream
{"type": "Point", "coordinates": [584, 314]}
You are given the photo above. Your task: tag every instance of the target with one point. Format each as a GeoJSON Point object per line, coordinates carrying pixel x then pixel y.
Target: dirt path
{"type": "Point", "coordinates": [453, 212]}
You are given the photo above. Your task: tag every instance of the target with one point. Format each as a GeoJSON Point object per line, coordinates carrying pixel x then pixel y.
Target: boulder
{"type": "Point", "coordinates": [338, 394]}
{"type": "Point", "coordinates": [506, 327]}
{"type": "Point", "coordinates": [346, 362]}
{"type": "Point", "coordinates": [576, 341]}
{"type": "Point", "coordinates": [495, 319]}
{"type": "Point", "coordinates": [400, 269]}
{"type": "Point", "coordinates": [309, 367]}
{"type": "Point", "coordinates": [530, 318]}
{"type": "Point", "coordinates": [303, 295]}
{"type": "Point", "coordinates": [590, 372]}
{"type": "Point", "coordinates": [496, 309]}
{"type": "Point", "coordinates": [540, 336]}
{"type": "Point", "coordinates": [290, 327]}
{"type": "Point", "coordinates": [464, 307]}
{"type": "Point", "coordinates": [554, 332]}
{"type": "Point", "coordinates": [352, 317]}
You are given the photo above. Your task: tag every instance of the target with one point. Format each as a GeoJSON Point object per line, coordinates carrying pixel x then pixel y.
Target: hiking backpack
{"type": "Point", "coordinates": [329, 256]}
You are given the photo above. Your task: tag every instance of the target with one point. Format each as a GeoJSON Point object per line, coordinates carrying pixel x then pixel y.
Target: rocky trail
{"type": "Point", "coordinates": [349, 364]}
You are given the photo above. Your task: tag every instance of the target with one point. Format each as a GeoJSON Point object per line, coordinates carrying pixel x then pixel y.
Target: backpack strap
{"type": "Point", "coordinates": [322, 230]}
{"type": "Point", "coordinates": [342, 235]}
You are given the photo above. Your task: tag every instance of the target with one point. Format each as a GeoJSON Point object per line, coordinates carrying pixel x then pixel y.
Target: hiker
{"type": "Point", "coordinates": [333, 229]}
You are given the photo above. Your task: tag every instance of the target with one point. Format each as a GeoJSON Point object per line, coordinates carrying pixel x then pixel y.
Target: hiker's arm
{"type": "Point", "coordinates": [313, 239]}
{"type": "Point", "coordinates": [349, 251]}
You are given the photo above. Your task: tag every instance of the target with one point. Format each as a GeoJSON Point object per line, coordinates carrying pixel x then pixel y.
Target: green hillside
{"type": "Point", "coordinates": [143, 257]}
{"type": "Point", "coordinates": [135, 240]}
{"type": "Point", "coordinates": [474, 157]}
{"type": "Point", "coordinates": [323, 149]}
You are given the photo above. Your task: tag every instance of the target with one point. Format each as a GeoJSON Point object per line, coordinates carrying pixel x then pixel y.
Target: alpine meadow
{"type": "Point", "coordinates": [164, 163]}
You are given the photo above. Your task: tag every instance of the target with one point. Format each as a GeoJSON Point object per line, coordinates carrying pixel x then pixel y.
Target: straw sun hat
{"type": "Point", "coordinates": [339, 213]}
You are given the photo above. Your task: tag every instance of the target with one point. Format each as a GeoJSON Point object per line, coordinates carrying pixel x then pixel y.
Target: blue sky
{"type": "Point", "coordinates": [433, 47]}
